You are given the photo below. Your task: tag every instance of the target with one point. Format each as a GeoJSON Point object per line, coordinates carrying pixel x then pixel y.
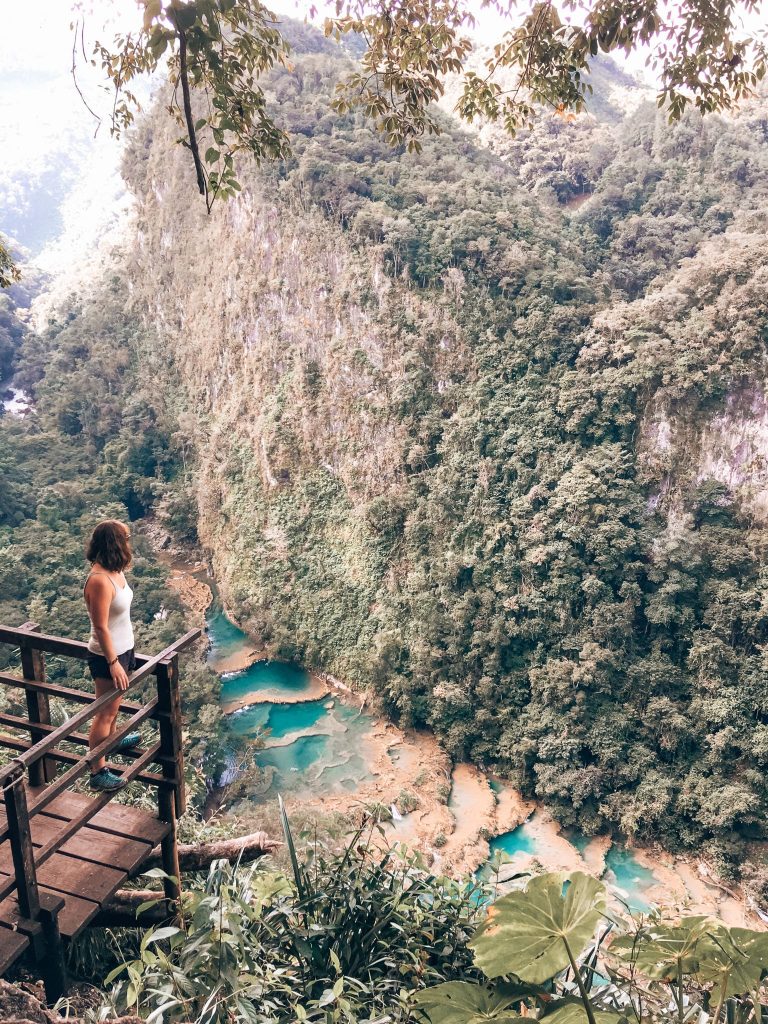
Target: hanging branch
{"type": "Point", "coordinates": [202, 182]}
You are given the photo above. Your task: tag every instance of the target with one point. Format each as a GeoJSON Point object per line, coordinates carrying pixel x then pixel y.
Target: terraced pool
{"type": "Point", "coordinates": [310, 746]}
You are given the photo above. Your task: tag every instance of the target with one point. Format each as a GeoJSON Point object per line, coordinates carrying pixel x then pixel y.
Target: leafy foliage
{"type": "Point", "coordinates": [219, 48]}
{"type": "Point", "coordinates": [344, 940]}
{"type": "Point", "coordinates": [9, 271]}
{"type": "Point", "coordinates": [255, 945]}
{"type": "Point", "coordinates": [223, 46]}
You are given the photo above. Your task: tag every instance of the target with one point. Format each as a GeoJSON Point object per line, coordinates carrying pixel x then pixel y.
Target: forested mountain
{"type": "Point", "coordinates": [481, 430]}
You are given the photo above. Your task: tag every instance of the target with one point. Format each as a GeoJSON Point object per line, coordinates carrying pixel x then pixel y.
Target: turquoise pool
{"type": "Point", "coordinates": [623, 870]}
{"type": "Point", "coordinates": [225, 637]}
{"type": "Point", "coordinates": [279, 676]}
{"type": "Point", "coordinates": [328, 756]}
{"type": "Point", "coordinates": [519, 840]}
{"type": "Point", "coordinates": [280, 719]}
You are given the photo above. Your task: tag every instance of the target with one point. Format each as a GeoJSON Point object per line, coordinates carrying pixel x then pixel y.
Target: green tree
{"type": "Point", "coordinates": [222, 48]}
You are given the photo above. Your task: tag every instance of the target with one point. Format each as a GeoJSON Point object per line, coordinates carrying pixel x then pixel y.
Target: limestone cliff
{"type": "Point", "coordinates": [493, 453]}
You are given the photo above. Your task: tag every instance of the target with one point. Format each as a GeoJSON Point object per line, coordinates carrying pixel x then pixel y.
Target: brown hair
{"type": "Point", "coordinates": [110, 546]}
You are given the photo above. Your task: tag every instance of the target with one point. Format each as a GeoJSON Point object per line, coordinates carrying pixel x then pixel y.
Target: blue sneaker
{"type": "Point", "coordinates": [131, 740]}
{"type": "Point", "coordinates": [105, 781]}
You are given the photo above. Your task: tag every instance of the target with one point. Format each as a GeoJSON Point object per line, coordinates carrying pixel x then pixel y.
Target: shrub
{"type": "Point", "coordinates": [348, 937]}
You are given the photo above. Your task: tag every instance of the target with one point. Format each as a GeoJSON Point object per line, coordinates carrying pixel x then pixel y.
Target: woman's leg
{"type": "Point", "coordinates": [104, 721]}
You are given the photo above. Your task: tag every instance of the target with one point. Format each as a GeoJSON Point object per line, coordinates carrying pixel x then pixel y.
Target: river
{"type": "Point", "coordinates": [321, 748]}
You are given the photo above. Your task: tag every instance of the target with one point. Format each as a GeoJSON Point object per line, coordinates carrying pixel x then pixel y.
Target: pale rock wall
{"type": "Point", "coordinates": [283, 334]}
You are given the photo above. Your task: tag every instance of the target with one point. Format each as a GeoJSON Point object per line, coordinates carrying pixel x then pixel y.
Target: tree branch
{"type": "Point", "coordinates": [184, 77]}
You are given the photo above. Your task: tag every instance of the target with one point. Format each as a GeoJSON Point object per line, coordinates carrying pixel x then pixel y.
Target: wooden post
{"type": "Point", "coordinates": [38, 708]}
{"type": "Point", "coordinates": [170, 802]}
{"type": "Point", "coordinates": [51, 963]}
{"type": "Point", "coordinates": [22, 852]}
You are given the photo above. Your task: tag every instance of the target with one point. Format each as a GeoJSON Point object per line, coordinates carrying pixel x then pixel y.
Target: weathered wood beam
{"type": "Point", "coordinates": [200, 856]}
{"type": "Point", "coordinates": [120, 910]}
{"type": "Point", "coordinates": [54, 690]}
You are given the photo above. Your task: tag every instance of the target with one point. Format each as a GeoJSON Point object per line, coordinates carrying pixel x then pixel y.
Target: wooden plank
{"type": "Point", "coordinates": [12, 945]}
{"type": "Point", "coordinates": [75, 648]}
{"type": "Point", "coordinates": [43, 642]}
{"type": "Point", "coordinates": [77, 877]}
{"type": "Point", "coordinates": [74, 916]}
{"type": "Point", "coordinates": [38, 708]}
{"type": "Point", "coordinates": [55, 690]}
{"type": "Point", "coordinates": [54, 644]}
{"type": "Point", "coordinates": [118, 819]}
{"type": "Point", "coordinates": [123, 852]}
{"type": "Point", "coordinates": [169, 700]}
{"type": "Point", "coordinates": [171, 805]}
{"type": "Point", "coordinates": [43, 830]}
{"type": "Point", "coordinates": [22, 850]}
{"type": "Point", "coordinates": [50, 958]}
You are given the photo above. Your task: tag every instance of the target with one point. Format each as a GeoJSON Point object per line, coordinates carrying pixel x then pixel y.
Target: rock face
{"type": "Point", "coordinates": [293, 350]}
{"type": "Point", "coordinates": [729, 445]}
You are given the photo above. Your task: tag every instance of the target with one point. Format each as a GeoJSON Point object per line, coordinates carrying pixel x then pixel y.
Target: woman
{"type": "Point", "coordinates": [108, 600]}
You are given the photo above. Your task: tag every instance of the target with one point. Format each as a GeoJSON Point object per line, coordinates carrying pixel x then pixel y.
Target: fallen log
{"type": "Point", "coordinates": [200, 856]}
{"type": "Point", "coordinates": [120, 910]}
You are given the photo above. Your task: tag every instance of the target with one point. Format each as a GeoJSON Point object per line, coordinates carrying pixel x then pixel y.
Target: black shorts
{"type": "Point", "coordinates": [97, 663]}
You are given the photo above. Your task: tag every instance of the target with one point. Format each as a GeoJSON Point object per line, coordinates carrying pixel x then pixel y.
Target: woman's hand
{"type": "Point", "coordinates": [119, 676]}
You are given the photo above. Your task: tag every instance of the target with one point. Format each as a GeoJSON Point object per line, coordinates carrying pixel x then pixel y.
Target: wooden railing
{"type": "Point", "coordinates": [39, 758]}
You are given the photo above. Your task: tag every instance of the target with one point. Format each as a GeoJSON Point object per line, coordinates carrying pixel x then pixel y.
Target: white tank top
{"type": "Point", "coordinates": [120, 628]}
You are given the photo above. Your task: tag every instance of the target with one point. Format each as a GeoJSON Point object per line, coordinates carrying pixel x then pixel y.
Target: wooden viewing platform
{"type": "Point", "coordinates": [64, 854]}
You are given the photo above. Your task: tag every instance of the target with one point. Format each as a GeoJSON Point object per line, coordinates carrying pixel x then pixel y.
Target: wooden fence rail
{"type": "Point", "coordinates": [42, 819]}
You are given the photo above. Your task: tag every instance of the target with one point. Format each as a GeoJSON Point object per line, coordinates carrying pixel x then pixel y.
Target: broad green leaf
{"type": "Point", "coordinates": [573, 1012]}
{"type": "Point", "coordinates": [659, 951]}
{"type": "Point", "coordinates": [185, 17]}
{"type": "Point", "coordinates": [266, 886]}
{"type": "Point", "coordinates": [526, 932]}
{"type": "Point", "coordinates": [147, 905]}
{"type": "Point", "coordinates": [115, 973]}
{"type": "Point", "coordinates": [151, 11]}
{"type": "Point", "coordinates": [459, 1002]}
{"type": "Point", "coordinates": [160, 934]}
{"type": "Point", "coordinates": [735, 961]}
{"type": "Point", "coordinates": [327, 997]}
{"type": "Point", "coordinates": [157, 873]}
